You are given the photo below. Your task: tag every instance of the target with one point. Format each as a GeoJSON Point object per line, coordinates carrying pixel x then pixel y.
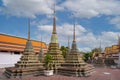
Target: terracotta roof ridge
{"type": "Point", "coordinates": [19, 37]}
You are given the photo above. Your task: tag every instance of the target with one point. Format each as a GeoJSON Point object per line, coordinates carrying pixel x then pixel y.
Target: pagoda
{"type": "Point", "coordinates": [41, 53]}
{"type": "Point", "coordinates": [53, 48]}
{"type": "Point", "coordinates": [98, 57]}
{"type": "Point", "coordinates": [74, 64]}
{"type": "Point", "coordinates": [29, 62]}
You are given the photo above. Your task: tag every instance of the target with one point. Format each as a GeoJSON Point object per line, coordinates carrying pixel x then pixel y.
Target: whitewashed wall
{"type": "Point", "coordinates": [8, 59]}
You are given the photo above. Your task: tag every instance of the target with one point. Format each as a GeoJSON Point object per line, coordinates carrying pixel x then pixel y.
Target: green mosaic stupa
{"type": "Point", "coordinates": [74, 64]}
{"type": "Point", "coordinates": [29, 62]}
{"type": "Point", "coordinates": [53, 48]}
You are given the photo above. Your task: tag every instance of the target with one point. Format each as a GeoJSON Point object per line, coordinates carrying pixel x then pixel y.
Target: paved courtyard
{"type": "Point", "coordinates": [99, 74]}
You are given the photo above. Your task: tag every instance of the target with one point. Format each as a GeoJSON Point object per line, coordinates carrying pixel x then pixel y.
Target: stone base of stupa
{"type": "Point", "coordinates": [76, 70]}
{"type": "Point", "coordinates": [25, 67]}
{"type": "Point", "coordinates": [13, 72]}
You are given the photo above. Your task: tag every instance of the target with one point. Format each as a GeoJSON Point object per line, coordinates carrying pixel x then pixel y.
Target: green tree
{"type": "Point", "coordinates": [88, 55]}
{"type": "Point", "coordinates": [96, 50]}
{"type": "Point", "coordinates": [64, 50]}
{"type": "Point", "coordinates": [48, 61]}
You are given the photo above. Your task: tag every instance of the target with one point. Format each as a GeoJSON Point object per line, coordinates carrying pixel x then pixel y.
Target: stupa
{"type": "Point", "coordinates": [53, 48]}
{"type": "Point", "coordinates": [41, 53]}
{"type": "Point", "coordinates": [29, 62]}
{"type": "Point", "coordinates": [98, 57]}
{"type": "Point", "coordinates": [68, 49]}
{"type": "Point", "coordinates": [74, 64]}
{"type": "Point", "coordinates": [99, 61]}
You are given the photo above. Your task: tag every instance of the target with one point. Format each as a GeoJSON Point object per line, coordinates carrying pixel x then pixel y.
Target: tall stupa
{"type": "Point", "coordinates": [53, 48]}
{"type": "Point", "coordinates": [29, 62]}
{"type": "Point", "coordinates": [74, 64]}
{"type": "Point", "coordinates": [68, 49]}
{"type": "Point", "coordinates": [41, 53]}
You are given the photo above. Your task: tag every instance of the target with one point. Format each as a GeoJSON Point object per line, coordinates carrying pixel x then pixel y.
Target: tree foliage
{"type": "Point", "coordinates": [64, 50]}
{"type": "Point", "coordinates": [96, 50]}
{"type": "Point", "coordinates": [48, 61]}
{"type": "Point", "coordinates": [88, 55]}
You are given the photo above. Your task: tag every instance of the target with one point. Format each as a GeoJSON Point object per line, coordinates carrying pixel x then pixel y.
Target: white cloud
{"type": "Point", "coordinates": [45, 37]}
{"type": "Point", "coordinates": [27, 8]}
{"type": "Point", "coordinates": [116, 21]}
{"type": "Point", "coordinates": [92, 8]}
{"type": "Point", "coordinates": [109, 38]}
{"type": "Point", "coordinates": [90, 40]}
{"type": "Point", "coordinates": [85, 49]}
{"type": "Point", "coordinates": [46, 28]}
{"type": "Point", "coordinates": [109, 35]}
{"type": "Point", "coordinates": [86, 40]}
{"type": "Point", "coordinates": [80, 8]}
{"type": "Point", "coordinates": [65, 29]}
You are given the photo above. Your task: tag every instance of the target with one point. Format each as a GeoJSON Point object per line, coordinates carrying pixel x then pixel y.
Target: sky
{"type": "Point", "coordinates": [96, 21]}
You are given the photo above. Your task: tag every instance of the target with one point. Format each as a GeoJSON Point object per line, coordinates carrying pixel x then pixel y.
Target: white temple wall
{"type": "Point", "coordinates": [7, 59]}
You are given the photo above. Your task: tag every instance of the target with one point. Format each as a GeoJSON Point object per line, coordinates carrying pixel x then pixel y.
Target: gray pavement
{"type": "Point", "coordinates": [99, 74]}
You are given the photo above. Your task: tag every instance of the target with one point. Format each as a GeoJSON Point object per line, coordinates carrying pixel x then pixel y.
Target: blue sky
{"type": "Point", "coordinates": [95, 20]}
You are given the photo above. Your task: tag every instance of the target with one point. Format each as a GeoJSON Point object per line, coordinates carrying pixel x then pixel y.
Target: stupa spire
{"type": "Point", "coordinates": [54, 21]}
{"type": "Point", "coordinates": [100, 46]}
{"type": "Point", "coordinates": [29, 46]}
{"type": "Point", "coordinates": [74, 46]}
{"type": "Point", "coordinates": [41, 53]}
{"type": "Point", "coordinates": [41, 49]}
{"type": "Point", "coordinates": [54, 37]}
{"type": "Point", "coordinates": [28, 29]}
{"type": "Point", "coordinates": [74, 32]}
{"type": "Point", "coordinates": [41, 40]}
{"type": "Point", "coordinates": [68, 43]}
{"type": "Point", "coordinates": [68, 51]}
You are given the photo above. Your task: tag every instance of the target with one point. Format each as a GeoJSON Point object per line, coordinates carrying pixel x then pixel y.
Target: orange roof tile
{"type": "Point", "coordinates": [18, 43]}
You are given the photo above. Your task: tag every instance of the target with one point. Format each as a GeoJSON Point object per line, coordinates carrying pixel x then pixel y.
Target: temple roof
{"type": "Point", "coordinates": [14, 43]}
